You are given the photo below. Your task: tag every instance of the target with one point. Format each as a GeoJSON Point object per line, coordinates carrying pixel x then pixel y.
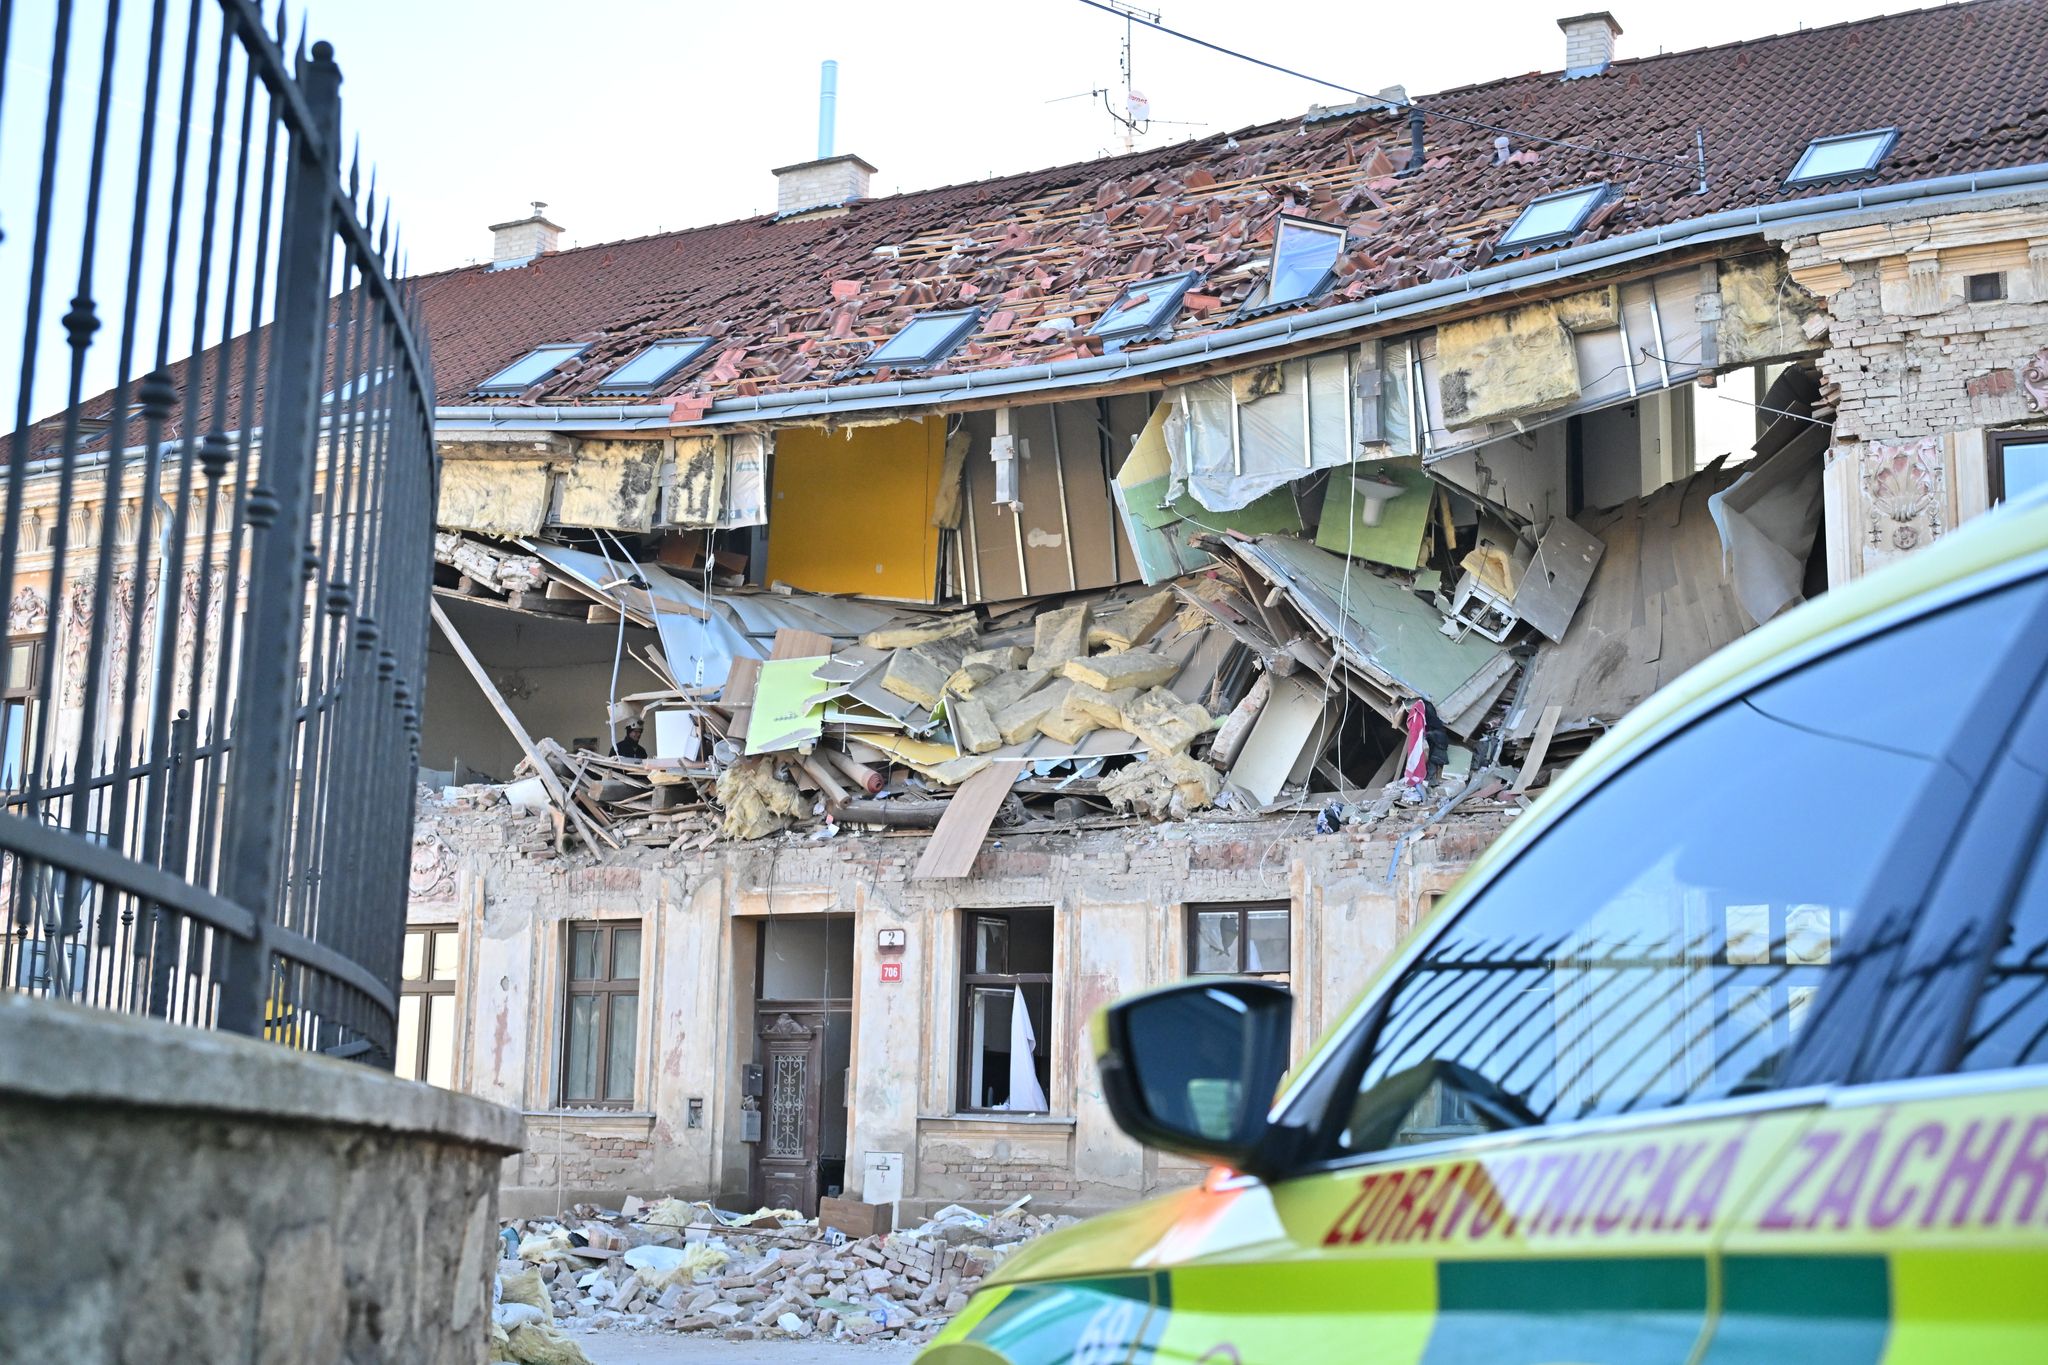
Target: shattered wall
{"type": "Point", "coordinates": [556, 676]}
{"type": "Point", "coordinates": [1117, 896]}
{"type": "Point", "coordinates": [1919, 373]}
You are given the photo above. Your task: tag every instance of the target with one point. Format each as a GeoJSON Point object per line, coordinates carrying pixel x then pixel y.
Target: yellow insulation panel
{"type": "Point", "coordinates": [493, 497]}
{"type": "Point", "coordinates": [850, 511]}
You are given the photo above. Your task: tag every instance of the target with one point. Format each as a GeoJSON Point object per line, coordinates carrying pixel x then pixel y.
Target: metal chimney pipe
{"type": "Point", "coordinates": [828, 99]}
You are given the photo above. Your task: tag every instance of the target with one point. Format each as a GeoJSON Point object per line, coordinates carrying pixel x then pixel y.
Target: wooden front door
{"type": "Point", "coordinates": [786, 1158]}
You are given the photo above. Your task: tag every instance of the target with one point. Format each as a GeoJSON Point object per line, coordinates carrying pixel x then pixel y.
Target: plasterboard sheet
{"type": "Point", "coordinates": [1379, 621]}
{"type": "Point", "coordinates": [789, 709]}
{"type": "Point", "coordinates": [1292, 715]}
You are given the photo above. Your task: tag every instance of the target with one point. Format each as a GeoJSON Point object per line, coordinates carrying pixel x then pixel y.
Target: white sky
{"type": "Point", "coordinates": [633, 116]}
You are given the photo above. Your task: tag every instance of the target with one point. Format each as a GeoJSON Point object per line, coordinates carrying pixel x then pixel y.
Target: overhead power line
{"type": "Point", "coordinates": [1698, 164]}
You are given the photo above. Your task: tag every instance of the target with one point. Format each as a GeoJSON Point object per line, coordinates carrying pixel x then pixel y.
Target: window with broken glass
{"type": "Point", "coordinates": [426, 1005]}
{"type": "Point", "coordinates": [1305, 256]}
{"type": "Point", "coordinates": [1238, 940]}
{"type": "Point", "coordinates": [1006, 1010]}
{"type": "Point", "coordinates": [600, 1032]}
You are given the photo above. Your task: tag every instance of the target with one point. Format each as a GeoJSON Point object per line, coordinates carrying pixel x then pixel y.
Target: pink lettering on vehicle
{"type": "Point", "coordinates": [1965, 1173]}
{"type": "Point", "coordinates": [1664, 1189]}
{"type": "Point", "coordinates": [2029, 1165]}
{"type": "Point", "coordinates": [1845, 1188]}
{"type": "Point", "coordinates": [1891, 1200]}
{"type": "Point", "coordinates": [1705, 1203]}
{"type": "Point", "coordinates": [1426, 1217]}
{"type": "Point", "coordinates": [1366, 1186]}
{"type": "Point", "coordinates": [1497, 1209]}
{"type": "Point", "coordinates": [1816, 1145]}
{"type": "Point", "coordinates": [1614, 1211]}
{"type": "Point", "coordinates": [1596, 1185]}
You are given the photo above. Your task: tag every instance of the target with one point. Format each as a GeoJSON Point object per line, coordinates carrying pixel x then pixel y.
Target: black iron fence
{"type": "Point", "coordinates": [216, 556]}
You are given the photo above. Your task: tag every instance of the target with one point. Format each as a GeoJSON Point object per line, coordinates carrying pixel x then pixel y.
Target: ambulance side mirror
{"type": "Point", "coordinates": [1193, 1068]}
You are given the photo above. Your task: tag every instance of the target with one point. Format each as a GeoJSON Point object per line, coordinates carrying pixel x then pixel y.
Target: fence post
{"type": "Point", "coordinates": [260, 795]}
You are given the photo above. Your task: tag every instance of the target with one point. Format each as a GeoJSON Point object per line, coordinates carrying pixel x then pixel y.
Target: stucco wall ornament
{"type": "Point", "coordinates": [1905, 487]}
{"type": "Point", "coordinates": [2034, 381]}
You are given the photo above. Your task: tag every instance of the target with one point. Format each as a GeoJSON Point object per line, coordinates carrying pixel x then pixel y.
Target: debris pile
{"type": "Point", "coordinates": [1398, 643]}
{"type": "Point", "coordinates": [689, 1267]}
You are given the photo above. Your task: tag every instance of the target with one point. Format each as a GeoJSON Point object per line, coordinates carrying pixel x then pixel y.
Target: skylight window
{"type": "Point", "coordinates": [530, 369]}
{"type": "Point", "coordinates": [1143, 309]}
{"type": "Point", "coordinates": [654, 366]}
{"type": "Point", "coordinates": [925, 340]}
{"type": "Point", "coordinates": [1553, 218]}
{"type": "Point", "coordinates": [1850, 154]}
{"type": "Point", "coordinates": [356, 387]}
{"type": "Point", "coordinates": [1305, 255]}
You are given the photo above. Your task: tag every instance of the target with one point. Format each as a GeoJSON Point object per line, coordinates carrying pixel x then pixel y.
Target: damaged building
{"type": "Point", "coordinates": [871, 636]}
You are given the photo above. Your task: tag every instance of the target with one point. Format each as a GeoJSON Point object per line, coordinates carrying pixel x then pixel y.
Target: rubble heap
{"type": "Point", "coordinates": [689, 1267]}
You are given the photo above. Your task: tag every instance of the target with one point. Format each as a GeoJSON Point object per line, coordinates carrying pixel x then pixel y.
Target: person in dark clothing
{"type": "Point", "coordinates": [630, 747]}
{"type": "Point", "coordinates": [1437, 737]}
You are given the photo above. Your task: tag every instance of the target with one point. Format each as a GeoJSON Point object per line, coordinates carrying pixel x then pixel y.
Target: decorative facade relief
{"type": "Point", "coordinates": [29, 613]}
{"type": "Point", "coordinates": [2034, 381]}
{"type": "Point", "coordinates": [432, 877]}
{"type": "Point", "coordinates": [1905, 496]}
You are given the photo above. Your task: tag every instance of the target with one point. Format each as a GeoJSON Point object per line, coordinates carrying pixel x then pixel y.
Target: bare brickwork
{"type": "Point", "coordinates": [1933, 321]}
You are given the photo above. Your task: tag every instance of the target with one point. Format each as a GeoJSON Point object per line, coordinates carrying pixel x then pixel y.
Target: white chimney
{"type": "Point", "coordinates": [822, 184]}
{"type": "Point", "coordinates": [518, 243]}
{"type": "Point", "coordinates": [1588, 43]}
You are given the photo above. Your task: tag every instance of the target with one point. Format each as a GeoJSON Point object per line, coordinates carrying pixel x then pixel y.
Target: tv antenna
{"type": "Point", "coordinates": [1135, 118]}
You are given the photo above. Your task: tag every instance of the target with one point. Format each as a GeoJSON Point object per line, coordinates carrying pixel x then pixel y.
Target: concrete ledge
{"type": "Point", "coordinates": [68, 1054]}
{"type": "Point", "coordinates": [209, 1198]}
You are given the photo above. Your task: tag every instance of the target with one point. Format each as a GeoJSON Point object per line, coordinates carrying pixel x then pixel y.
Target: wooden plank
{"type": "Point", "coordinates": [957, 840]}
{"type": "Point", "coordinates": [799, 644]}
{"type": "Point", "coordinates": [738, 696]}
{"type": "Point", "coordinates": [1538, 747]}
{"type": "Point", "coordinates": [542, 768]}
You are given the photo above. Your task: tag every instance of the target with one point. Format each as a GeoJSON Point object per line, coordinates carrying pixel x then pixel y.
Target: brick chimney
{"type": "Point", "coordinates": [518, 243]}
{"type": "Point", "coordinates": [1588, 43]}
{"type": "Point", "coordinates": [822, 184]}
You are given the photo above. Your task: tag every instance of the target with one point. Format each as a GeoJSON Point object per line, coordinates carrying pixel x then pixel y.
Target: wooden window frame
{"type": "Point", "coordinates": [969, 980]}
{"type": "Point", "coordinates": [427, 986]}
{"type": "Point", "coordinates": [1196, 909]}
{"type": "Point", "coordinates": [603, 988]}
{"type": "Point", "coordinates": [27, 695]}
{"type": "Point", "coordinates": [1995, 443]}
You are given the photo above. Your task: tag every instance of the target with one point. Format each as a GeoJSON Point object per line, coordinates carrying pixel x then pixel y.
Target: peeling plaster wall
{"type": "Point", "coordinates": [1921, 375]}
{"type": "Point", "coordinates": [698, 913]}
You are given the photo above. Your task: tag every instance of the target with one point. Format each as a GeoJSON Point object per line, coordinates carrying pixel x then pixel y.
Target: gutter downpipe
{"type": "Point", "coordinates": [937, 389]}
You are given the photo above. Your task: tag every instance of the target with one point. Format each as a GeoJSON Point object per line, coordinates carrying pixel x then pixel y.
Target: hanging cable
{"type": "Point", "coordinates": [1696, 165]}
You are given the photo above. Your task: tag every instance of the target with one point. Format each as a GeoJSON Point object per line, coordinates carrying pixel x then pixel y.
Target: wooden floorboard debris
{"type": "Point", "coordinates": [1539, 747]}
{"type": "Point", "coordinates": [957, 840]}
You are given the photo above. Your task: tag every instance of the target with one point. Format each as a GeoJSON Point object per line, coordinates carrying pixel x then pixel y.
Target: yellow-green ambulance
{"type": "Point", "coordinates": [1734, 1048]}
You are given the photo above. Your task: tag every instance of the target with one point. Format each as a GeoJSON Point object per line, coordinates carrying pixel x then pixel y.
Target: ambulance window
{"type": "Point", "coordinates": [2009, 1026]}
{"type": "Point", "coordinates": [1667, 941]}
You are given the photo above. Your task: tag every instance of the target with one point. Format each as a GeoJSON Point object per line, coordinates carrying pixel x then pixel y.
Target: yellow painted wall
{"type": "Point", "coordinates": [851, 511]}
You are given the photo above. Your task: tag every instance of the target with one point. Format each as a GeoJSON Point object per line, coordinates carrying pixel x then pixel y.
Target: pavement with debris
{"type": "Point", "coordinates": [648, 1272]}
